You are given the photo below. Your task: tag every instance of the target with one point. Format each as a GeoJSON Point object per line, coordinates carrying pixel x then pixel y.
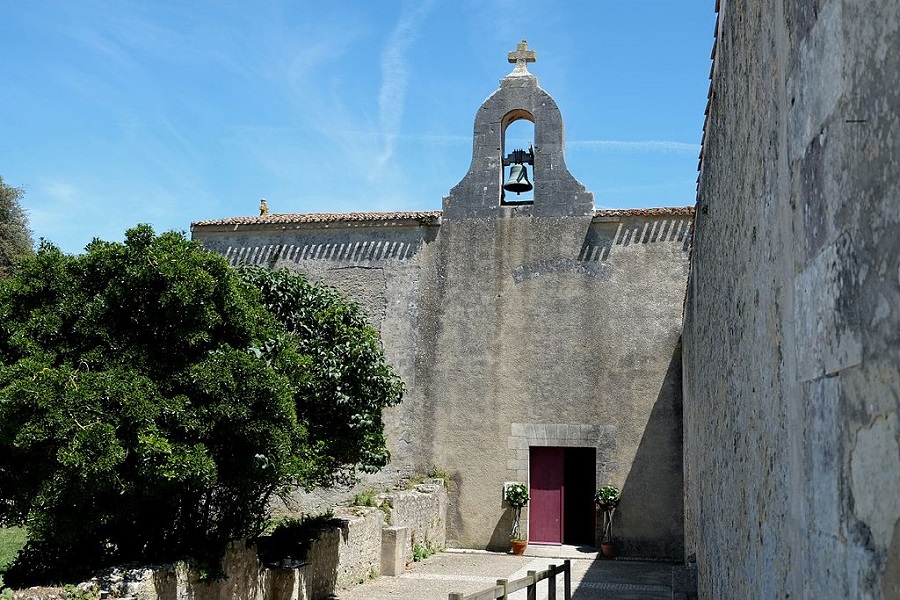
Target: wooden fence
{"type": "Point", "coordinates": [505, 587]}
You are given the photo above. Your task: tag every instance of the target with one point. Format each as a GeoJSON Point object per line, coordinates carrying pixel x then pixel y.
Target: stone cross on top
{"type": "Point", "coordinates": [522, 56]}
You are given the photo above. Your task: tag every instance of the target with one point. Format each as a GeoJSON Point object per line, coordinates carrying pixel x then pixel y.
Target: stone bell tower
{"type": "Point", "coordinates": [556, 192]}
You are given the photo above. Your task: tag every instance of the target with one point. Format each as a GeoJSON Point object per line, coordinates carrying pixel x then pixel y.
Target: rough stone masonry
{"type": "Point", "coordinates": [792, 323]}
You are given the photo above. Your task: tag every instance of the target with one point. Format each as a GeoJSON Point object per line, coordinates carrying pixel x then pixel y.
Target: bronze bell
{"type": "Point", "coordinates": [518, 180]}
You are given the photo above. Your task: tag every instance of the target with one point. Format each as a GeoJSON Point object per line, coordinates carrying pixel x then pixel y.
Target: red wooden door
{"type": "Point", "coordinates": [545, 514]}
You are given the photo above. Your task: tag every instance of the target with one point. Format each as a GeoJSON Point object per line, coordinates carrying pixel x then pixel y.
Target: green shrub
{"type": "Point", "coordinates": [292, 537]}
{"type": "Point", "coordinates": [153, 400]}
{"type": "Point", "coordinates": [607, 496]}
{"type": "Point", "coordinates": [423, 551]}
{"type": "Point", "coordinates": [12, 539]}
{"type": "Point", "coordinates": [436, 473]}
{"type": "Point", "coordinates": [364, 498]}
{"type": "Point", "coordinates": [72, 592]}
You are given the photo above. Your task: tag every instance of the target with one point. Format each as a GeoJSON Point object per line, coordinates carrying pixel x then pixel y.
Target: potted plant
{"type": "Point", "coordinates": [607, 499]}
{"type": "Point", "coordinates": [516, 495]}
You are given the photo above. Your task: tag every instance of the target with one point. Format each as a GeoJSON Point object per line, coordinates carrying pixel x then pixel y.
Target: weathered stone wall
{"type": "Point", "coordinates": [348, 554]}
{"type": "Point", "coordinates": [791, 343]}
{"type": "Point", "coordinates": [529, 327]}
{"type": "Point", "coordinates": [423, 510]}
{"type": "Point", "coordinates": [496, 323]}
{"type": "Point", "coordinates": [245, 578]}
{"type": "Point", "coordinates": [343, 555]}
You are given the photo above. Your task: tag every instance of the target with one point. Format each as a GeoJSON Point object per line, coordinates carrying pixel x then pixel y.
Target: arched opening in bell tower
{"type": "Point", "coordinates": [517, 153]}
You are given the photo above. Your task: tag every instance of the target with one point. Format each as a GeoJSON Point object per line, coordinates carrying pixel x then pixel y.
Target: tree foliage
{"type": "Point", "coordinates": [15, 237]}
{"type": "Point", "coordinates": [347, 382]}
{"type": "Point", "coordinates": [151, 405]}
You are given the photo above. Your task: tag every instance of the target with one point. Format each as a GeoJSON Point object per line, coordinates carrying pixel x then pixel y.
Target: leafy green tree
{"type": "Point", "coordinates": [347, 382]}
{"type": "Point", "coordinates": [15, 237]}
{"type": "Point", "coordinates": [151, 406]}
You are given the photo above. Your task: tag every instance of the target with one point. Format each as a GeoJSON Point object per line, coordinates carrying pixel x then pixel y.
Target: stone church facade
{"type": "Point", "coordinates": [539, 339]}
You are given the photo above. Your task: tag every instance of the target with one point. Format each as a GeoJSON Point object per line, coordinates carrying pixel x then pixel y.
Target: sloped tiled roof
{"type": "Point", "coordinates": [717, 32]}
{"type": "Point", "coordinates": [291, 218]}
{"type": "Point", "coordinates": [426, 216]}
{"type": "Point", "coordinates": [663, 211]}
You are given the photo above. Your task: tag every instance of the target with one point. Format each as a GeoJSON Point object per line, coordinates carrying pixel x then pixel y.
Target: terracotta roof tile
{"type": "Point", "coordinates": [670, 211]}
{"type": "Point", "coordinates": [717, 31]}
{"type": "Point", "coordinates": [429, 216]}
{"type": "Point", "coordinates": [273, 219]}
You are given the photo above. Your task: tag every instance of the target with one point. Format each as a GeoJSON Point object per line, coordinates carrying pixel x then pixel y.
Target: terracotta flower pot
{"type": "Point", "coordinates": [608, 550]}
{"type": "Point", "coordinates": [518, 546]}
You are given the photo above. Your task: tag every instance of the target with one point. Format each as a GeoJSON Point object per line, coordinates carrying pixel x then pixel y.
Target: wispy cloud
{"type": "Point", "coordinates": [423, 138]}
{"type": "Point", "coordinates": [394, 73]}
{"type": "Point", "coordinates": [58, 206]}
{"type": "Point", "coordinates": [60, 191]}
{"type": "Point", "coordinates": [636, 146]}
{"type": "Point", "coordinates": [305, 61]}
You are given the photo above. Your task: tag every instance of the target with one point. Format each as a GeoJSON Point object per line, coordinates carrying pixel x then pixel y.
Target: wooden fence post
{"type": "Point", "coordinates": [567, 579]}
{"type": "Point", "coordinates": [455, 596]}
{"type": "Point", "coordinates": [504, 583]}
{"type": "Point", "coordinates": [551, 583]}
{"type": "Point", "coordinates": [532, 587]}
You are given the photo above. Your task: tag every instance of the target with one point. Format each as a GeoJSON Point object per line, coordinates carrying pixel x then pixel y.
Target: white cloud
{"type": "Point", "coordinates": [394, 74]}
{"type": "Point", "coordinates": [60, 191]}
{"type": "Point", "coordinates": [57, 209]}
{"type": "Point", "coordinates": [422, 138]}
{"type": "Point", "coordinates": [306, 60]}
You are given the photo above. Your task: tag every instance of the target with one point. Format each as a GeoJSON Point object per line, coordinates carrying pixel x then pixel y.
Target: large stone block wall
{"type": "Point", "coordinates": [792, 322]}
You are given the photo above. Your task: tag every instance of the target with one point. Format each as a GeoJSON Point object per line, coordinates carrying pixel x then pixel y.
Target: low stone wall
{"type": "Point", "coordinates": [423, 510]}
{"type": "Point", "coordinates": [246, 578]}
{"type": "Point", "coordinates": [347, 554]}
{"type": "Point", "coordinates": [343, 555]}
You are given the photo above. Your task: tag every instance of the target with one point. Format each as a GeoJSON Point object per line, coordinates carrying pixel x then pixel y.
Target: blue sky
{"type": "Point", "coordinates": [170, 111]}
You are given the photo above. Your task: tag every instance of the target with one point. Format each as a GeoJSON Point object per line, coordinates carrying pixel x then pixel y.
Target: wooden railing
{"type": "Point", "coordinates": [505, 587]}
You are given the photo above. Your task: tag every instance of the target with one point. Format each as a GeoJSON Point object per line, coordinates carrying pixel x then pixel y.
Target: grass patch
{"type": "Point", "coordinates": [423, 551]}
{"type": "Point", "coordinates": [11, 541]}
{"type": "Point", "coordinates": [435, 472]}
{"type": "Point", "coordinates": [365, 498]}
